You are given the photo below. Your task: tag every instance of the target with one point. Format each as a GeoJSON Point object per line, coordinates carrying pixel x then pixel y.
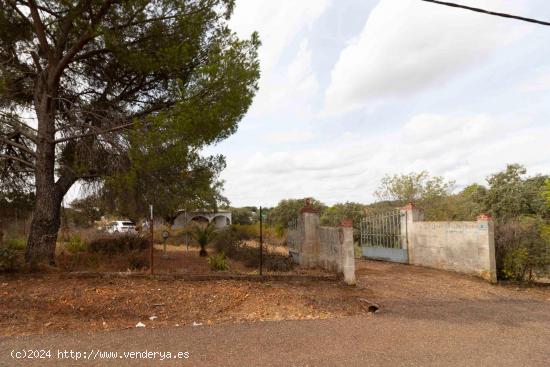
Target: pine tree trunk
{"type": "Point", "coordinates": [46, 218]}
{"type": "Point", "coordinates": [49, 193]}
{"type": "Point", "coordinates": [44, 227]}
{"type": "Point", "coordinates": [46, 215]}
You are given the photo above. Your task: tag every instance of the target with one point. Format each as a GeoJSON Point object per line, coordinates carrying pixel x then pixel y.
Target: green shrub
{"type": "Point", "coordinates": [138, 260]}
{"type": "Point", "coordinates": [274, 262]}
{"type": "Point", "coordinates": [515, 264]}
{"type": "Point", "coordinates": [75, 244]}
{"type": "Point", "coordinates": [246, 231]}
{"type": "Point", "coordinates": [16, 243]}
{"type": "Point", "coordinates": [118, 244]}
{"type": "Point", "coordinates": [218, 262]}
{"type": "Point", "coordinates": [9, 261]}
{"type": "Point", "coordinates": [230, 242]}
{"type": "Point", "coordinates": [279, 231]}
{"type": "Point", "coordinates": [522, 249]}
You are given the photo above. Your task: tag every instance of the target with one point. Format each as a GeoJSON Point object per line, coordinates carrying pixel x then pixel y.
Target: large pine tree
{"type": "Point", "coordinates": [88, 85]}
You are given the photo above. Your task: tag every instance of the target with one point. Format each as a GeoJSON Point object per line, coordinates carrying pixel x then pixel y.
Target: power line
{"type": "Point", "coordinates": [503, 15]}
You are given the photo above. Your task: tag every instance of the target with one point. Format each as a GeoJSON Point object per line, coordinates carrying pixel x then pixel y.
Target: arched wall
{"type": "Point", "coordinates": [220, 220]}
{"type": "Point", "coordinates": [200, 218]}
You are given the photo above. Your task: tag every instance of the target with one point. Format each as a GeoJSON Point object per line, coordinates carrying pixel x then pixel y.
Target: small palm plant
{"type": "Point", "coordinates": [203, 235]}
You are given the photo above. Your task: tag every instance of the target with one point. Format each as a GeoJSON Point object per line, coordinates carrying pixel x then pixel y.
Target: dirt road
{"type": "Point", "coordinates": [428, 318]}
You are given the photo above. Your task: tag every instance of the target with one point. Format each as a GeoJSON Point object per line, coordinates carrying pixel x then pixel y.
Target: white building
{"type": "Point", "coordinates": [220, 218]}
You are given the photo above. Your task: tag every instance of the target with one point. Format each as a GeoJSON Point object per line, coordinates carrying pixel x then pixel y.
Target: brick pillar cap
{"type": "Point", "coordinates": [346, 222]}
{"type": "Point", "coordinates": [308, 208]}
{"type": "Point", "coordinates": [409, 206]}
{"type": "Point", "coordinates": [484, 217]}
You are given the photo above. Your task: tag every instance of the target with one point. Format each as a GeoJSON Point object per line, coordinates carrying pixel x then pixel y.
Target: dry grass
{"type": "Point", "coordinates": [29, 305]}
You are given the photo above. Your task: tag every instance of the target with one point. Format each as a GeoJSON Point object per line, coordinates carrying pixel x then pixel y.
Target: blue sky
{"type": "Point", "coordinates": [353, 89]}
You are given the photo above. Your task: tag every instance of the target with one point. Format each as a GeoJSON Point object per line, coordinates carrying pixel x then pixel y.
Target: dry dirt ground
{"type": "Point", "coordinates": [421, 293]}
{"type": "Point", "coordinates": [52, 303]}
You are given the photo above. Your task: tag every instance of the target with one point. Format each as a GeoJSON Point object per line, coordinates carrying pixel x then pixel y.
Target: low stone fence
{"type": "Point", "coordinates": [330, 251]}
{"type": "Point", "coordinates": [330, 248]}
{"type": "Point", "coordinates": [465, 247]}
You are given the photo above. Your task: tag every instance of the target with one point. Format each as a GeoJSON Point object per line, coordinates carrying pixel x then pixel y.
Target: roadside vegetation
{"type": "Point", "coordinates": [82, 251]}
{"type": "Point", "coordinates": [238, 243]}
{"type": "Point", "coordinates": [518, 203]}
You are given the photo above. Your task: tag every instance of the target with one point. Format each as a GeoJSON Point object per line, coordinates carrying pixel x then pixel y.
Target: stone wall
{"type": "Point", "coordinates": [330, 248]}
{"type": "Point", "coordinates": [465, 247]}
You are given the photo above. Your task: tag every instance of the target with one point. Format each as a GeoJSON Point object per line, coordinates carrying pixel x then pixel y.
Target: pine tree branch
{"type": "Point", "coordinates": [17, 159]}
{"type": "Point", "coordinates": [40, 29]}
{"type": "Point", "coordinates": [94, 133]}
{"type": "Point", "coordinates": [17, 145]}
{"type": "Point", "coordinates": [135, 116]}
{"type": "Point", "coordinates": [81, 42]}
{"type": "Point", "coordinates": [20, 128]}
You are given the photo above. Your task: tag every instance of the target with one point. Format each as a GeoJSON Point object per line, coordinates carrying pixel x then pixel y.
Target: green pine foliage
{"type": "Point", "coordinates": [126, 94]}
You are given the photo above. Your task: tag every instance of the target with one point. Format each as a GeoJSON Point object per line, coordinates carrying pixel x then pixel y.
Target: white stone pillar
{"type": "Point", "coordinates": [309, 252]}
{"type": "Point", "coordinates": [412, 214]}
{"type": "Point", "coordinates": [487, 254]}
{"type": "Point", "coordinates": [345, 232]}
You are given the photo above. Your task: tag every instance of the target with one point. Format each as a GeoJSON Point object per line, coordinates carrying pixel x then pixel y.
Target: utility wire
{"type": "Point", "coordinates": [503, 15]}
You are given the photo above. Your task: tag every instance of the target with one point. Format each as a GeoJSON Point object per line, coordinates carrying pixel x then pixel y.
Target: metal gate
{"type": "Point", "coordinates": [384, 236]}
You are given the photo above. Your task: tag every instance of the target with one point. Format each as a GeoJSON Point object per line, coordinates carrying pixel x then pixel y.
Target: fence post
{"type": "Point", "coordinates": [261, 243]}
{"type": "Point", "coordinates": [347, 253]}
{"type": "Point", "coordinates": [403, 228]}
{"type": "Point", "coordinates": [486, 222]}
{"type": "Point", "coordinates": [309, 251]}
{"type": "Point", "coordinates": [412, 214]}
{"type": "Point", "coordinates": [152, 245]}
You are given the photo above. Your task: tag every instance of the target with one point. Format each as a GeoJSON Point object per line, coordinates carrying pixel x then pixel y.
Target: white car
{"type": "Point", "coordinates": [121, 226]}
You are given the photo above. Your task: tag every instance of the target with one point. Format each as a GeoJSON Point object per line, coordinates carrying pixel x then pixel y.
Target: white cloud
{"type": "Point", "coordinates": [284, 84]}
{"type": "Point", "coordinates": [278, 23]}
{"type": "Point", "coordinates": [300, 73]}
{"type": "Point", "coordinates": [408, 45]}
{"type": "Point", "coordinates": [462, 148]}
{"type": "Point", "coordinates": [290, 137]}
{"type": "Point", "coordinates": [539, 84]}
{"type": "Point", "coordinates": [290, 88]}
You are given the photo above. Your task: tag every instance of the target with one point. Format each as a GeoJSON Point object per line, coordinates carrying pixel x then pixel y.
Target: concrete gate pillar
{"type": "Point", "coordinates": [309, 254]}
{"type": "Point", "coordinates": [488, 253]}
{"type": "Point", "coordinates": [348, 254]}
{"type": "Point", "coordinates": [410, 214]}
